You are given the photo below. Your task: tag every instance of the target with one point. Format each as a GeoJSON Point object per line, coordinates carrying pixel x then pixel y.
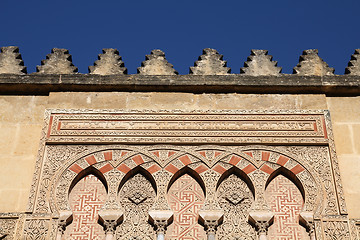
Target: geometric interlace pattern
{"type": "Point", "coordinates": [86, 199]}
{"type": "Point", "coordinates": [185, 198]}
{"type": "Point", "coordinates": [286, 202]}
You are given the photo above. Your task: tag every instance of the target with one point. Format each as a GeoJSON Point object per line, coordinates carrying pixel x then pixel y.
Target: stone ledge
{"type": "Point", "coordinates": [36, 84]}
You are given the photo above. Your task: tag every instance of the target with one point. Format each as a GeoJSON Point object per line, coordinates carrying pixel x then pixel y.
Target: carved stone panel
{"type": "Point", "coordinates": [136, 198]}
{"type": "Point", "coordinates": [235, 199]}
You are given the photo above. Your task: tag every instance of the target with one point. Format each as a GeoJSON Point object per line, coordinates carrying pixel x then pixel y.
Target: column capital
{"type": "Point", "coordinates": [110, 218]}
{"type": "Point", "coordinates": [160, 219]}
{"type": "Point", "coordinates": [211, 219]}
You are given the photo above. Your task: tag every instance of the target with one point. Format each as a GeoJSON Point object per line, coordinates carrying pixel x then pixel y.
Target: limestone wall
{"type": "Point", "coordinates": [21, 122]}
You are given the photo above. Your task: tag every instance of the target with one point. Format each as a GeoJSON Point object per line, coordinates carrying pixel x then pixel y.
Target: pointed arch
{"type": "Point", "coordinates": [285, 196]}
{"type": "Point", "coordinates": [86, 172]}
{"type": "Point", "coordinates": [239, 173]}
{"type": "Point", "coordinates": [135, 171]}
{"type": "Point", "coordinates": [192, 173]}
{"type": "Point", "coordinates": [290, 176]}
{"type": "Point", "coordinates": [87, 194]}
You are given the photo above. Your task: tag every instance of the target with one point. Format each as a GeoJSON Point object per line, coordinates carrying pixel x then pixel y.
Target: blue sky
{"type": "Point", "coordinates": [182, 29]}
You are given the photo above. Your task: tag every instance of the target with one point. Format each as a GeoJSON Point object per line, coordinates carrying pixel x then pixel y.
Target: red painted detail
{"type": "Point", "coordinates": [297, 169]}
{"type": "Point", "coordinates": [185, 160]}
{"type": "Point", "coordinates": [315, 127]}
{"type": "Point", "coordinates": [123, 153]}
{"type": "Point", "coordinates": [265, 156]}
{"type": "Point", "coordinates": [248, 169]}
{"type": "Point", "coordinates": [138, 159]}
{"type": "Point", "coordinates": [171, 153]}
{"type": "Point", "coordinates": [156, 153]}
{"type": "Point", "coordinates": [91, 160]}
{"type": "Point", "coordinates": [234, 160]}
{"type": "Point", "coordinates": [59, 126]}
{"type": "Point", "coordinates": [265, 168]}
{"type": "Point", "coordinates": [108, 155]}
{"type": "Point", "coordinates": [50, 124]}
{"type": "Point", "coordinates": [153, 169]}
{"type": "Point", "coordinates": [76, 168]}
{"type": "Point", "coordinates": [324, 127]}
{"type": "Point", "coordinates": [282, 160]}
{"type": "Point", "coordinates": [106, 168]}
{"type": "Point", "coordinates": [201, 169]}
{"type": "Point", "coordinates": [219, 169]}
{"type": "Point", "coordinates": [249, 153]}
{"type": "Point", "coordinates": [171, 168]}
{"type": "Point", "coordinates": [217, 154]}
{"type": "Point", "coordinates": [123, 168]}
{"type": "Point", "coordinates": [203, 154]}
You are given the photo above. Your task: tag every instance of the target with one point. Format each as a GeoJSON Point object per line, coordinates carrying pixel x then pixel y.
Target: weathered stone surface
{"type": "Point", "coordinates": [354, 64]}
{"type": "Point", "coordinates": [11, 61]}
{"type": "Point", "coordinates": [210, 63]}
{"type": "Point", "coordinates": [156, 64]}
{"type": "Point", "coordinates": [311, 64]}
{"type": "Point", "coordinates": [108, 63]}
{"type": "Point", "coordinates": [58, 62]}
{"type": "Point", "coordinates": [259, 63]}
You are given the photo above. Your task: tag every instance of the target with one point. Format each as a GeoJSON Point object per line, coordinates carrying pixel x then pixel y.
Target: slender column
{"type": "Point", "coordinates": [262, 229]}
{"type": "Point", "coordinates": [160, 219]}
{"type": "Point", "coordinates": [211, 219]}
{"type": "Point", "coordinates": [262, 220]}
{"type": "Point", "coordinates": [65, 219]}
{"type": "Point", "coordinates": [109, 219]}
{"type": "Point", "coordinates": [307, 220]}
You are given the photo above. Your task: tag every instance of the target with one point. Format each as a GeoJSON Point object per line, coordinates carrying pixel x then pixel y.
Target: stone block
{"type": "Point", "coordinates": [27, 139]}
{"type": "Point", "coordinates": [350, 176]}
{"type": "Point", "coordinates": [269, 101]}
{"type": "Point", "coordinates": [26, 109]}
{"type": "Point", "coordinates": [87, 100]}
{"type": "Point", "coordinates": [343, 139]}
{"type": "Point", "coordinates": [344, 109]}
{"type": "Point", "coordinates": [356, 137]}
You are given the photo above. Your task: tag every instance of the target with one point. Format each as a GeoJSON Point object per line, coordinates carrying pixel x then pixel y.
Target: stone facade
{"type": "Point", "coordinates": [89, 157]}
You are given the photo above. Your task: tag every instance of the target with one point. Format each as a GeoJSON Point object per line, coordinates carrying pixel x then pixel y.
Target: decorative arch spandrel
{"type": "Point", "coordinates": [235, 198]}
{"type": "Point", "coordinates": [136, 196]}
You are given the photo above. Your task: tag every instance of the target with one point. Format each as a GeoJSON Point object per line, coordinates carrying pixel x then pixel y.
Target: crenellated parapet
{"type": "Point", "coordinates": [210, 73]}
{"type": "Point", "coordinates": [210, 63]}
{"type": "Point", "coordinates": [57, 62]}
{"type": "Point", "coordinates": [354, 64]}
{"type": "Point", "coordinates": [11, 61]}
{"type": "Point", "coordinates": [108, 63]}
{"type": "Point", "coordinates": [156, 64]}
{"type": "Point", "coordinates": [310, 64]}
{"type": "Point", "coordinates": [259, 63]}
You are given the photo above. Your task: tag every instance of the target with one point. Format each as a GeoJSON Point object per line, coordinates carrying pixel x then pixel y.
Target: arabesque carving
{"type": "Point", "coordinates": [62, 159]}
